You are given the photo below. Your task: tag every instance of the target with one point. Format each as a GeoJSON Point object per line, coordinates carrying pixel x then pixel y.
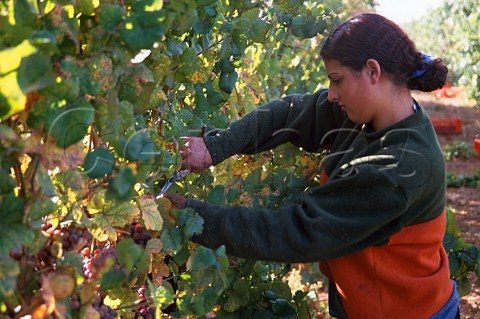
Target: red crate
{"type": "Point", "coordinates": [476, 145]}
{"type": "Point", "coordinates": [447, 125]}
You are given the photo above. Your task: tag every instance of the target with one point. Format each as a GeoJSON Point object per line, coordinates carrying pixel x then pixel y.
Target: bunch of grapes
{"type": "Point", "coordinates": [105, 311]}
{"type": "Point", "coordinates": [69, 238]}
{"type": "Point", "coordinates": [139, 234]}
{"type": "Point", "coordinates": [75, 238]}
{"type": "Point", "coordinates": [143, 311]}
{"type": "Point", "coordinates": [97, 263]}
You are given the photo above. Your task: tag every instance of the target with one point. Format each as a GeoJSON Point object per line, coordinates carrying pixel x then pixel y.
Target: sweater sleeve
{"type": "Point", "coordinates": [344, 216]}
{"type": "Point", "coordinates": [302, 120]}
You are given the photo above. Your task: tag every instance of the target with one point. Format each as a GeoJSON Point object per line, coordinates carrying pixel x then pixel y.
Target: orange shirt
{"type": "Point", "coordinates": [407, 278]}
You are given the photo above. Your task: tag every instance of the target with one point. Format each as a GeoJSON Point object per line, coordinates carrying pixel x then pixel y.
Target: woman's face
{"type": "Point", "coordinates": [352, 91]}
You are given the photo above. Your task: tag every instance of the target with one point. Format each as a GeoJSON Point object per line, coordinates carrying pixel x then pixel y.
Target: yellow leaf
{"type": "Point", "coordinates": [12, 57]}
{"type": "Point", "coordinates": [150, 214]}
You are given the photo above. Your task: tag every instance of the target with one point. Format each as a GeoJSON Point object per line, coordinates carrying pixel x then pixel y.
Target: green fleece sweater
{"type": "Point", "coordinates": [378, 183]}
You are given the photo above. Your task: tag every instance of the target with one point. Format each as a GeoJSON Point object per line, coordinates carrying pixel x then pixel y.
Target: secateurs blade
{"type": "Point", "coordinates": [177, 176]}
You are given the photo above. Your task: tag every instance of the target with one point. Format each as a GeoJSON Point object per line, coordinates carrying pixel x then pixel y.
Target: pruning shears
{"type": "Point", "coordinates": [177, 176]}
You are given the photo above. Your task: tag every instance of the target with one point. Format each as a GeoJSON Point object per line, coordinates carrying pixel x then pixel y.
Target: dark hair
{"type": "Point", "coordinates": [372, 36]}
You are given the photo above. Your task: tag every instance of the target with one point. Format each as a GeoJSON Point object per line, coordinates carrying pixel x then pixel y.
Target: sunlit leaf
{"type": "Point", "coordinates": [115, 215]}
{"type": "Point", "coordinates": [150, 214]}
{"type": "Point", "coordinates": [163, 296]}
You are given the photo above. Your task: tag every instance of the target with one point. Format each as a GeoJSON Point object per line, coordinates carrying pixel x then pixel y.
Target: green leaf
{"type": "Point", "coordinates": [25, 12]}
{"type": "Point", "coordinates": [205, 301]}
{"type": "Point", "coordinates": [112, 280]}
{"type": "Point", "coordinates": [172, 239]}
{"type": "Point", "coordinates": [193, 226]}
{"type": "Point", "coordinates": [85, 7]}
{"type": "Point", "coordinates": [121, 186]}
{"type": "Point", "coordinates": [67, 89]}
{"type": "Point", "coordinates": [227, 81]}
{"type": "Point", "coordinates": [39, 114]}
{"type": "Point", "coordinates": [190, 68]}
{"type": "Point", "coordinates": [139, 147]}
{"type": "Point", "coordinates": [150, 214]}
{"type": "Point", "coordinates": [216, 195]}
{"type": "Point", "coordinates": [9, 270]}
{"type": "Point", "coordinates": [8, 182]}
{"type": "Point", "coordinates": [227, 66]}
{"type": "Point", "coordinates": [282, 309]}
{"type": "Point", "coordinates": [297, 25]}
{"type": "Point", "coordinates": [14, 236]}
{"type": "Point", "coordinates": [45, 41]}
{"type": "Point", "coordinates": [35, 72]}
{"type": "Point", "coordinates": [129, 253]}
{"type": "Point", "coordinates": [464, 285]}
{"type": "Point", "coordinates": [143, 27]}
{"type": "Point", "coordinates": [259, 30]}
{"type": "Point", "coordinates": [110, 16]}
{"type": "Point", "coordinates": [163, 296]}
{"type": "Point", "coordinates": [68, 125]}
{"type": "Point", "coordinates": [99, 163]}
{"type": "Point", "coordinates": [202, 258]}
{"type": "Point", "coordinates": [234, 302]}
{"type": "Point", "coordinates": [114, 117]}
{"type": "Point", "coordinates": [12, 209]}
{"type": "Point", "coordinates": [41, 208]}
{"type": "Point", "coordinates": [184, 115]}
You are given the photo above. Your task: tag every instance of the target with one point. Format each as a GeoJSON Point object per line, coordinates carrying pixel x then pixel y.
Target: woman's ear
{"type": "Point", "coordinates": [373, 69]}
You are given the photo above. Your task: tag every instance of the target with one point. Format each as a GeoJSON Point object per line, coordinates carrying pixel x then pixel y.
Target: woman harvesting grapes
{"type": "Point", "coordinates": [377, 220]}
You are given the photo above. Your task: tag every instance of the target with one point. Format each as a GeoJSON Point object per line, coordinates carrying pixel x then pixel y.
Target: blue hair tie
{"type": "Point", "coordinates": [428, 60]}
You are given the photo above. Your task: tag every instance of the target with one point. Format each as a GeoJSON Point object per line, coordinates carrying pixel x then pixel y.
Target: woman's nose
{"type": "Point", "coordinates": [332, 95]}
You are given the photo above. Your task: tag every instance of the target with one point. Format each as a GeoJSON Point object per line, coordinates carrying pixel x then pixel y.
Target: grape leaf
{"type": "Point", "coordinates": [142, 29]}
{"type": "Point", "coordinates": [109, 16]}
{"type": "Point", "coordinates": [121, 186]}
{"type": "Point", "coordinates": [41, 208]}
{"type": "Point", "coordinates": [193, 226]}
{"type": "Point", "coordinates": [114, 117]}
{"type": "Point", "coordinates": [113, 214]}
{"type": "Point", "coordinates": [129, 253]}
{"type": "Point", "coordinates": [150, 214]}
{"type": "Point", "coordinates": [12, 99]}
{"type": "Point", "coordinates": [14, 236]}
{"type": "Point", "coordinates": [227, 81]}
{"type": "Point", "coordinates": [12, 57]}
{"type": "Point", "coordinates": [284, 310]}
{"type": "Point", "coordinates": [139, 147]}
{"type": "Point", "coordinates": [202, 258]}
{"type": "Point", "coordinates": [163, 296]}
{"type": "Point", "coordinates": [9, 270]}
{"type": "Point", "coordinates": [35, 72]}
{"type": "Point", "coordinates": [68, 125]}
{"type": "Point", "coordinates": [8, 182]}
{"type": "Point", "coordinates": [99, 163]}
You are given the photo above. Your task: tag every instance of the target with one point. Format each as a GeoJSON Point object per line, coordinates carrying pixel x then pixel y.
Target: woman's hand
{"type": "Point", "coordinates": [178, 201]}
{"type": "Point", "coordinates": [195, 154]}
